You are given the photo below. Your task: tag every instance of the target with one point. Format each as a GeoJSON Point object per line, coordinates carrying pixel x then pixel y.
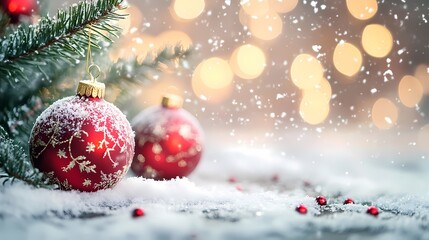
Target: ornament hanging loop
{"type": "Point", "coordinates": [94, 72]}
{"type": "Point", "coordinates": [92, 69]}
{"type": "Point", "coordinates": [91, 88]}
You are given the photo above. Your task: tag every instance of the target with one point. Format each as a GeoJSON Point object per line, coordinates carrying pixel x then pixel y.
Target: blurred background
{"type": "Point", "coordinates": [305, 79]}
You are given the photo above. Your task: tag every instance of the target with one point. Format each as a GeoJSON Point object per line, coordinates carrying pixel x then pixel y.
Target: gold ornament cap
{"type": "Point", "coordinates": [91, 88]}
{"type": "Point", "coordinates": [172, 101]}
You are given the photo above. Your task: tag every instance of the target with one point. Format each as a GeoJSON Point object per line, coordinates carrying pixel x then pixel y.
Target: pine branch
{"type": "Point", "coordinates": [138, 70]}
{"type": "Point", "coordinates": [129, 74]}
{"type": "Point", "coordinates": [14, 164]}
{"type": "Point", "coordinates": [63, 37]}
{"type": "Point", "coordinates": [19, 120]}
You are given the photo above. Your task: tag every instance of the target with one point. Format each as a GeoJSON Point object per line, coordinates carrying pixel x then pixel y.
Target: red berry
{"type": "Point", "coordinates": [349, 201]}
{"type": "Point", "coordinates": [301, 209]}
{"type": "Point", "coordinates": [232, 179]}
{"type": "Point", "coordinates": [372, 210]}
{"type": "Point", "coordinates": [321, 200]}
{"type": "Point", "coordinates": [239, 188]}
{"type": "Point", "coordinates": [138, 212]}
{"type": "Point", "coordinates": [275, 178]}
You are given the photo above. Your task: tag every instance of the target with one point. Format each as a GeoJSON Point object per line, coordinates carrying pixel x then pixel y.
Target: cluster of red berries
{"type": "Point", "coordinates": [321, 200]}
{"type": "Point", "coordinates": [301, 208]}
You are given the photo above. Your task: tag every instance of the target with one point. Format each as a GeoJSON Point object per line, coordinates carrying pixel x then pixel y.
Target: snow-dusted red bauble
{"type": "Point", "coordinates": [169, 141]}
{"type": "Point", "coordinates": [17, 8]}
{"type": "Point", "coordinates": [83, 142]}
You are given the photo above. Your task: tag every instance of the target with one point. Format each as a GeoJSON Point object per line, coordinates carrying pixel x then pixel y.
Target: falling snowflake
{"type": "Point", "coordinates": [90, 147]}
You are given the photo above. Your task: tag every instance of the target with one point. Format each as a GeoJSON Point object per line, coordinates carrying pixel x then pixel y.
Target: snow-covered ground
{"type": "Point", "coordinates": [255, 206]}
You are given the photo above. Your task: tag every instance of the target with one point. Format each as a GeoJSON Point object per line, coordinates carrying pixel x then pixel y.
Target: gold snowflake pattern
{"type": "Point", "coordinates": [108, 180]}
{"type": "Point", "coordinates": [64, 185]}
{"type": "Point", "coordinates": [90, 147]}
{"type": "Point", "coordinates": [84, 164]}
{"type": "Point", "coordinates": [61, 153]}
{"type": "Point", "coordinates": [86, 182]}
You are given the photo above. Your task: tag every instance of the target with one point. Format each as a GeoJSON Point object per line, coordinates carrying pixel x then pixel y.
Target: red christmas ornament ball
{"type": "Point", "coordinates": [169, 141]}
{"type": "Point", "coordinates": [372, 211]}
{"type": "Point", "coordinates": [301, 209]}
{"type": "Point", "coordinates": [349, 201]}
{"type": "Point", "coordinates": [16, 8]}
{"type": "Point", "coordinates": [82, 143]}
{"type": "Point", "coordinates": [138, 212]}
{"type": "Point", "coordinates": [321, 200]}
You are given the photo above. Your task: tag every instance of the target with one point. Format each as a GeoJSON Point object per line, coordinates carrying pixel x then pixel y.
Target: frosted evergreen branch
{"type": "Point", "coordinates": [19, 120]}
{"type": "Point", "coordinates": [14, 164]}
{"type": "Point", "coordinates": [137, 70]}
{"type": "Point", "coordinates": [131, 74]}
{"type": "Point", "coordinates": [62, 37]}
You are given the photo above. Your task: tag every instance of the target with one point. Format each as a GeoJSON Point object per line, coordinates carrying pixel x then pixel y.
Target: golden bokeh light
{"type": "Point", "coordinates": [216, 73]}
{"type": "Point", "coordinates": [202, 91]}
{"type": "Point", "coordinates": [153, 93]}
{"type": "Point", "coordinates": [135, 15]}
{"type": "Point", "coordinates": [384, 113]}
{"type": "Point", "coordinates": [306, 71]}
{"type": "Point", "coordinates": [243, 17]}
{"type": "Point", "coordinates": [377, 40]}
{"type": "Point", "coordinates": [322, 91]}
{"type": "Point", "coordinates": [283, 6]}
{"type": "Point", "coordinates": [255, 7]}
{"type": "Point", "coordinates": [248, 61]}
{"type": "Point", "coordinates": [125, 23]}
{"type": "Point", "coordinates": [313, 108]}
{"type": "Point", "coordinates": [410, 91]}
{"type": "Point", "coordinates": [173, 38]}
{"type": "Point", "coordinates": [362, 9]}
{"type": "Point", "coordinates": [188, 9]}
{"type": "Point", "coordinates": [131, 22]}
{"type": "Point", "coordinates": [267, 26]}
{"type": "Point", "coordinates": [347, 59]}
{"type": "Point", "coordinates": [422, 74]}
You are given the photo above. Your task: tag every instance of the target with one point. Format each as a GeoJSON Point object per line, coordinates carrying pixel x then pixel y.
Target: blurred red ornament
{"type": "Point", "coordinates": [138, 212]}
{"type": "Point", "coordinates": [17, 8]}
{"type": "Point", "coordinates": [372, 210]}
{"type": "Point", "coordinates": [301, 209]}
{"type": "Point", "coordinates": [83, 142]}
{"type": "Point", "coordinates": [169, 141]}
{"type": "Point", "coordinates": [349, 201]}
{"type": "Point", "coordinates": [321, 200]}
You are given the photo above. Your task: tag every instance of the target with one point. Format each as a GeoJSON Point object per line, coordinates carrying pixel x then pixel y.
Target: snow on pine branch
{"type": "Point", "coordinates": [14, 164]}
{"type": "Point", "coordinates": [63, 37]}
